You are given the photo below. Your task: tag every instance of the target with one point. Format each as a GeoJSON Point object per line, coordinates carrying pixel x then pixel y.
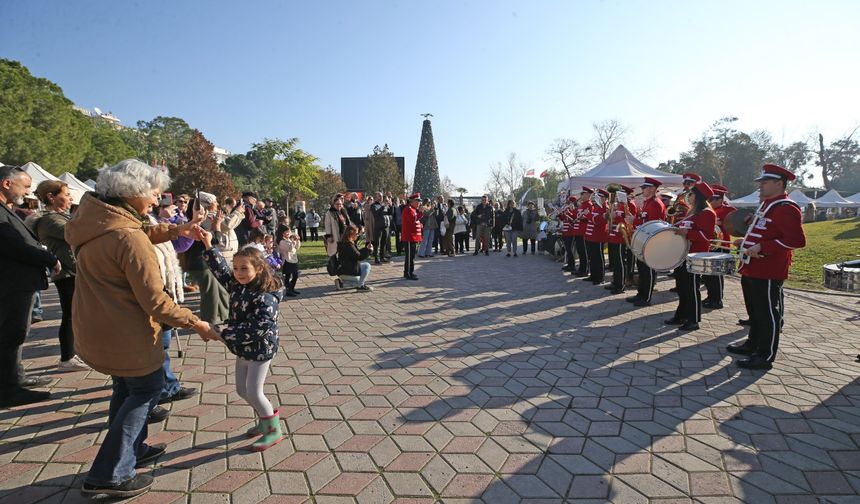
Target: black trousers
{"type": "Point", "coordinates": [764, 300]}
{"type": "Point", "coordinates": [582, 252]}
{"type": "Point", "coordinates": [647, 279]}
{"type": "Point", "coordinates": [595, 261]}
{"type": "Point", "coordinates": [66, 290]}
{"type": "Point", "coordinates": [291, 275]}
{"type": "Point", "coordinates": [315, 233]}
{"type": "Point", "coordinates": [15, 310]}
{"type": "Point", "coordinates": [569, 252]}
{"type": "Point", "coordinates": [618, 263]}
{"type": "Point", "coordinates": [526, 243]}
{"type": "Point", "coordinates": [461, 242]}
{"type": "Point", "coordinates": [303, 233]}
{"type": "Point", "coordinates": [689, 295]}
{"type": "Point", "coordinates": [409, 262]}
{"type": "Point", "coordinates": [630, 263]}
{"type": "Point", "coordinates": [398, 245]}
{"type": "Point", "coordinates": [715, 284]}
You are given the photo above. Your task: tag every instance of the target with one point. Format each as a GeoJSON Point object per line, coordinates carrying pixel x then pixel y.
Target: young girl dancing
{"type": "Point", "coordinates": [251, 331]}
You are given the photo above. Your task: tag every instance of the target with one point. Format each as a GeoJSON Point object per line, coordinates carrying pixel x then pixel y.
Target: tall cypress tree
{"type": "Point", "coordinates": [426, 169]}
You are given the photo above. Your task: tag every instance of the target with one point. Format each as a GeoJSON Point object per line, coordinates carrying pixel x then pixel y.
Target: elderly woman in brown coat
{"type": "Point", "coordinates": [118, 308]}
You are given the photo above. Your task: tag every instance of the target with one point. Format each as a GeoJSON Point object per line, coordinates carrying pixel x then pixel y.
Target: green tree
{"type": "Point", "coordinates": [327, 184]}
{"type": "Point", "coordinates": [245, 172]}
{"type": "Point", "coordinates": [843, 157]}
{"type": "Point", "coordinates": [107, 147]}
{"type": "Point", "coordinates": [290, 171]}
{"type": "Point", "coordinates": [197, 169]}
{"type": "Point", "coordinates": [38, 123]}
{"type": "Point", "coordinates": [382, 173]}
{"type": "Point", "coordinates": [161, 139]}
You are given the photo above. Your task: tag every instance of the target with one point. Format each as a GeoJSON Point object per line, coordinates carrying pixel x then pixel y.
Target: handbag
{"type": "Point", "coordinates": [442, 228]}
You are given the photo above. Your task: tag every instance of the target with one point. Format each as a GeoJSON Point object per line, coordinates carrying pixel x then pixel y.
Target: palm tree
{"type": "Point", "coordinates": [462, 191]}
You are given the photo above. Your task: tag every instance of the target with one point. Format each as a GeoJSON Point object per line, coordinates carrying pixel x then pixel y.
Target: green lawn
{"type": "Point", "coordinates": [312, 254]}
{"type": "Point", "coordinates": [826, 243]}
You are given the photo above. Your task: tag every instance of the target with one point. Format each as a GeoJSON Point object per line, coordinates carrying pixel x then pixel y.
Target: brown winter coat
{"type": "Point", "coordinates": [119, 297]}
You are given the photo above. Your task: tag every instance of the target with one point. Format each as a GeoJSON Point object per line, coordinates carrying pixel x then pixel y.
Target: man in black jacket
{"type": "Point", "coordinates": [381, 223]}
{"type": "Point", "coordinates": [23, 266]}
{"type": "Point", "coordinates": [485, 216]}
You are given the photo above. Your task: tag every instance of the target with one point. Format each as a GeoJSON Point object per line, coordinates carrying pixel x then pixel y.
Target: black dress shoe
{"type": "Point", "coordinates": [689, 326]}
{"type": "Point", "coordinates": [597, 282]}
{"type": "Point", "coordinates": [675, 321]}
{"type": "Point", "coordinates": [412, 277]}
{"type": "Point", "coordinates": [755, 362]}
{"type": "Point", "coordinates": [616, 291]}
{"type": "Point", "coordinates": [35, 381]}
{"type": "Point", "coordinates": [740, 349]}
{"type": "Point", "coordinates": [140, 484]}
{"type": "Point", "coordinates": [157, 415]}
{"type": "Point", "coordinates": [713, 305]}
{"type": "Point", "coordinates": [290, 294]}
{"type": "Point", "coordinates": [610, 287]}
{"type": "Point", "coordinates": [744, 322]}
{"type": "Point", "coordinates": [182, 393]}
{"type": "Point", "coordinates": [20, 396]}
{"type": "Point", "coordinates": [581, 275]}
{"type": "Point", "coordinates": [151, 453]}
{"type": "Point", "coordinates": [296, 292]}
{"type": "Point", "coordinates": [632, 299]}
{"type": "Point", "coordinates": [641, 302]}
{"type": "Point", "coordinates": [673, 289]}
{"type": "Point", "coordinates": [476, 253]}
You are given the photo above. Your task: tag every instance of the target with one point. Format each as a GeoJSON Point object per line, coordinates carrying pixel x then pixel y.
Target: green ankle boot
{"type": "Point", "coordinates": [256, 429]}
{"type": "Point", "coordinates": [272, 434]}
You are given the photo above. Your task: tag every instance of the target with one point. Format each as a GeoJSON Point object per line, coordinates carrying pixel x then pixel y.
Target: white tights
{"type": "Point", "coordinates": [250, 379]}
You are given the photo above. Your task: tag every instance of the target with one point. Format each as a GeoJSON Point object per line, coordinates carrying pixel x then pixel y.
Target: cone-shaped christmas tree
{"type": "Point", "coordinates": [426, 169]}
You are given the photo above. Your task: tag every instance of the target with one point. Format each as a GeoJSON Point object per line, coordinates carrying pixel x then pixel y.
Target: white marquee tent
{"type": "Point", "coordinates": [37, 173]}
{"type": "Point", "coordinates": [798, 197]}
{"type": "Point", "coordinates": [750, 200]}
{"type": "Point", "coordinates": [832, 199]}
{"type": "Point", "coordinates": [854, 199]}
{"type": "Point", "coordinates": [620, 167]}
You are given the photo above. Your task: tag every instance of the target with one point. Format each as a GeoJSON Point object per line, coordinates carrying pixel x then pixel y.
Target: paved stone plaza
{"type": "Point", "coordinates": [491, 379]}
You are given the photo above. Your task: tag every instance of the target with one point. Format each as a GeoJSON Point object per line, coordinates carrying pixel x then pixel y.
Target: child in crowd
{"type": "Point", "coordinates": [289, 251]}
{"type": "Point", "coordinates": [257, 240]}
{"type": "Point", "coordinates": [251, 331]}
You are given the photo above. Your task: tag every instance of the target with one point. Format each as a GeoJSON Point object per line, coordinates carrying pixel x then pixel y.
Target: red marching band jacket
{"type": "Point", "coordinates": [595, 224]}
{"type": "Point", "coordinates": [582, 212]}
{"type": "Point", "coordinates": [700, 229]}
{"type": "Point", "coordinates": [778, 228]}
{"type": "Point", "coordinates": [721, 212]}
{"type": "Point", "coordinates": [614, 234]}
{"type": "Point", "coordinates": [411, 225]}
{"type": "Point", "coordinates": [652, 209]}
{"type": "Point", "coordinates": [567, 218]}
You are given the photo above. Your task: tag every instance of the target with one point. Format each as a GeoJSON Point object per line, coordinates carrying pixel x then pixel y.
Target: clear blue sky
{"type": "Point", "coordinates": [499, 76]}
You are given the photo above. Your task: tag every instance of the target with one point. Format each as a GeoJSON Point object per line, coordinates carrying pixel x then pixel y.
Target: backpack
{"type": "Point", "coordinates": [332, 265]}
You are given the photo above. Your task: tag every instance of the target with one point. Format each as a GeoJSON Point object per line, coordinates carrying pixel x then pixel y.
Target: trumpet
{"type": "Point", "coordinates": [672, 212]}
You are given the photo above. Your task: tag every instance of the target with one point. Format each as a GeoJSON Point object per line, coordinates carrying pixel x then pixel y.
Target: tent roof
{"type": "Point", "coordinates": [37, 173]}
{"type": "Point", "coordinates": [798, 197]}
{"type": "Point", "coordinates": [832, 199]}
{"type": "Point", "coordinates": [620, 167]}
{"type": "Point", "coordinates": [91, 183]}
{"type": "Point", "coordinates": [750, 200]}
{"type": "Point", "coordinates": [854, 198]}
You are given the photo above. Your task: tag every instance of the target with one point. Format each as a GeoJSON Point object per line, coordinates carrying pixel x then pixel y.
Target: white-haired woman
{"type": "Point", "coordinates": [118, 307]}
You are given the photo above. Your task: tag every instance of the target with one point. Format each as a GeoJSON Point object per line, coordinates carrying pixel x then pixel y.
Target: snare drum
{"type": "Point", "coordinates": [656, 244]}
{"type": "Point", "coordinates": [711, 263]}
{"type": "Point", "coordinates": [843, 276]}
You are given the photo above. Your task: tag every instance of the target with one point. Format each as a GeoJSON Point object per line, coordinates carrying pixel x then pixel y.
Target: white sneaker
{"type": "Point", "coordinates": [73, 364]}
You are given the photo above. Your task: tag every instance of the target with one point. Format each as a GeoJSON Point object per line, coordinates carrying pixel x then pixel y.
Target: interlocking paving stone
{"type": "Point", "coordinates": [467, 385]}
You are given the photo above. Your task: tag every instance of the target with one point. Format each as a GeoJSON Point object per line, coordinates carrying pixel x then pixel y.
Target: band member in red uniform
{"type": "Point", "coordinates": [698, 228]}
{"type": "Point", "coordinates": [567, 218]}
{"type": "Point", "coordinates": [652, 209]}
{"type": "Point", "coordinates": [411, 235]}
{"type": "Point", "coordinates": [615, 244]}
{"type": "Point", "coordinates": [679, 208]}
{"type": "Point", "coordinates": [715, 283]}
{"type": "Point", "coordinates": [582, 212]}
{"type": "Point", "coordinates": [632, 209]}
{"type": "Point", "coordinates": [595, 237]}
{"type": "Point", "coordinates": [775, 231]}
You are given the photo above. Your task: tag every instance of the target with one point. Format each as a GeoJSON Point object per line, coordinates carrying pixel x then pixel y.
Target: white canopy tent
{"type": "Point", "coordinates": [91, 183]}
{"type": "Point", "coordinates": [37, 173]}
{"type": "Point", "coordinates": [854, 198]}
{"type": "Point", "coordinates": [798, 197]}
{"type": "Point", "coordinates": [750, 200]}
{"type": "Point", "coordinates": [832, 199]}
{"type": "Point", "coordinates": [620, 167]}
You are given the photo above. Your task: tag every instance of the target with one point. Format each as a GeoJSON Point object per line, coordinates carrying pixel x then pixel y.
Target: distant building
{"type": "Point", "coordinates": [352, 171]}
{"type": "Point", "coordinates": [98, 114]}
{"type": "Point", "coordinates": [221, 154]}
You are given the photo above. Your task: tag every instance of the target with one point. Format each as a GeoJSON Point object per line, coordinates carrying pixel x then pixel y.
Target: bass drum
{"type": "Point", "coordinates": [656, 244]}
{"type": "Point", "coordinates": [843, 276]}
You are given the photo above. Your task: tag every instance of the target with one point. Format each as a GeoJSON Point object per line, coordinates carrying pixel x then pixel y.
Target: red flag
{"type": "Point", "coordinates": [543, 173]}
{"type": "Point", "coordinates": [530, 173]}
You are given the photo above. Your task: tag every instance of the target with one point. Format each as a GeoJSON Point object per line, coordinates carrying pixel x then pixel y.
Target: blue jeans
{"type": "Point", "coordinates": [426, 247]}
{"type": "Point", "coordinates": [357, 281]}
{"type": "Point", "coordinates": [37, 305]}
{"type": "Point", "coordinates": [171, 382]}
{"type": "Point", "coordinates": [132, 400]}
